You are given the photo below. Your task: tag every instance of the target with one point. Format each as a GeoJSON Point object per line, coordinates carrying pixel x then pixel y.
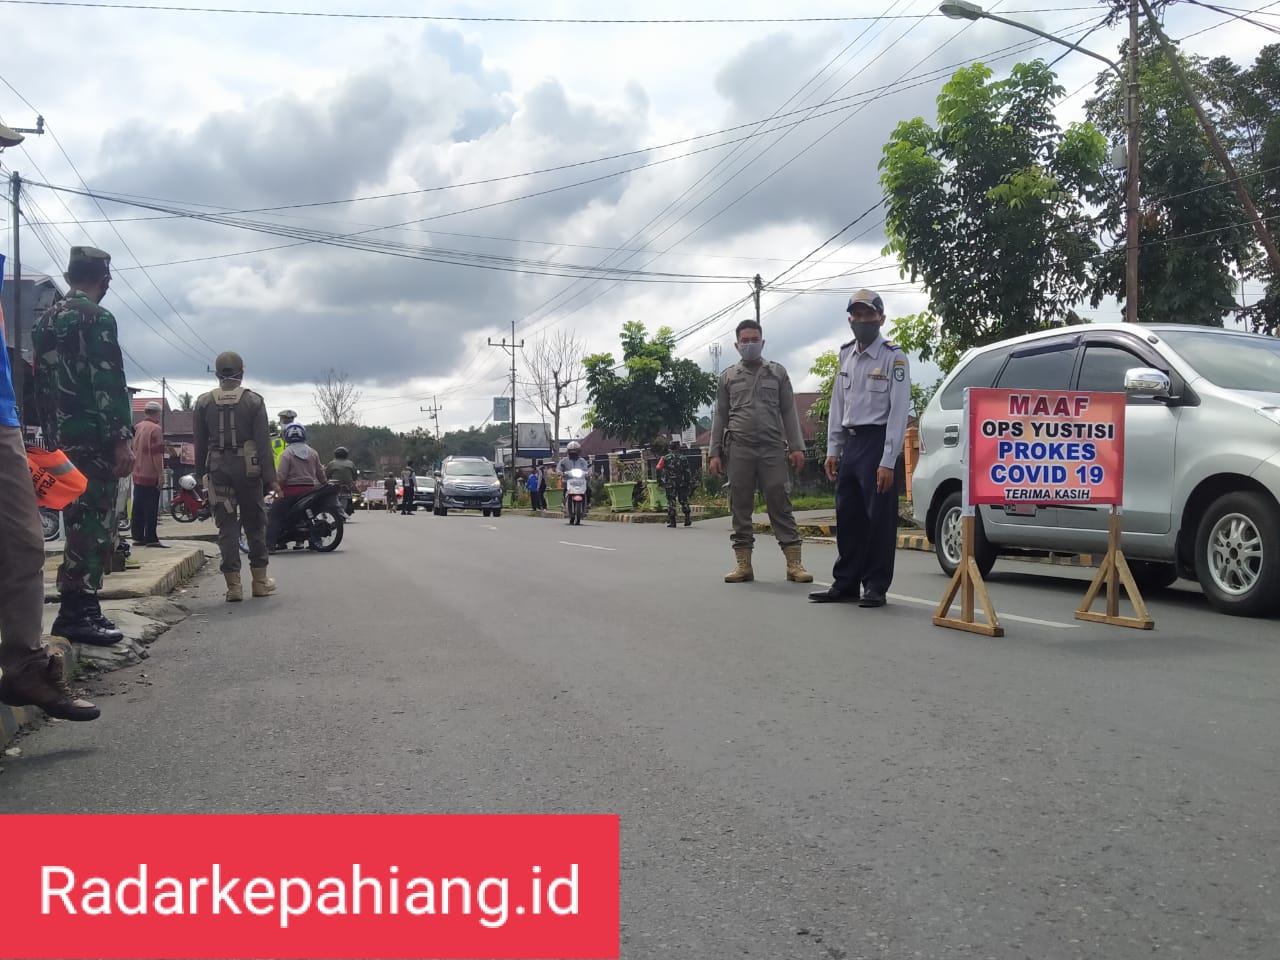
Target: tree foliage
{"type": "Point", "coordinates": [1191, 233]}
{"type": "Point", "coordinates": [186, 402]}
{"type": "Point", "coordinates": [336, 396]}
{"type": "Point", "coordinates": [990, 207]}
{"type": "Point", "coordinates": [659, 391]}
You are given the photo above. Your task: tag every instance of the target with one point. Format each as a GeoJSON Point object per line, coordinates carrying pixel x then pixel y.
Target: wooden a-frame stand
{"type": "Point", "coordinates": [967, 581]}
{"type": "Point", "coordinates": [1114, 572]}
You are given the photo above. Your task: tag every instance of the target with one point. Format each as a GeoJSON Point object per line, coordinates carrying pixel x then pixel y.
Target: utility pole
{"type": "Point", "coordinates": [164, 400]}
{"type": "Point", "coordinates": [757, 284]}
{"type": "Point", "coordinates": [511, 348]}
{"type": "Point", "coordinates": [20, 367]}
{"type": "Point", "coordinates": [1264, 235]}
{"type": "Point", "coordinates": [1131, 203]}
{"type": "Point", "coordinates": [715, 359]}
{"type": "Point", "coordinates": [433, 412]}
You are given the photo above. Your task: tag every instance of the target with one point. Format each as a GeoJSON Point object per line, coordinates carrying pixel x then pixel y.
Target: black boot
{"type": "Point", "coordinates": [75, 623]}
{"type": "Point", "coordinates": [94, 607]}
{"type": "Point", "coordinates": [688, 519]}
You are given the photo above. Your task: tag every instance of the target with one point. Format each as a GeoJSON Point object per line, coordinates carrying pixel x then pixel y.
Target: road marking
{"type": "Point", "coordinates": [1002, 616]}
{"type": "Point", "coordinates": [487, 527]}
{"type": "Point", "coordinates": [588, 546]}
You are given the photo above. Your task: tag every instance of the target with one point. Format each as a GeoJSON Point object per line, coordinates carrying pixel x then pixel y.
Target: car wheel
{"type": "Point", "coordinates": [497, 513]}
{"type": "Point", "coordinates": [1238, 555]}
{"type": "Point", "coordinates": [1151, 575]}
{"type": "Point", "coordinates": [948, 538]}
{"type": "Point", "coordinates": [486, 512]}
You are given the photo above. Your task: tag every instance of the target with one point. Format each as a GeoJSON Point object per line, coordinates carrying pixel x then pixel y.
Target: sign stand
{"type": "Point", "coordinates": [1114, 572]}
{"type": "Point", "coordinates": [967, 580]}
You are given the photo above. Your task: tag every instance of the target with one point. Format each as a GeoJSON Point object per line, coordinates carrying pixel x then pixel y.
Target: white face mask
{"type": "Point", "coordinates": [751, 352]}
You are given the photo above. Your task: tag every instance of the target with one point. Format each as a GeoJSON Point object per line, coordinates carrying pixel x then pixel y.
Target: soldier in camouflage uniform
{"type": "Point", "coordinates": [677, 481]}
{"type": "Point", "coordinates": [84, 409]}
{"type": "Point", "coordinates": [233, 454]}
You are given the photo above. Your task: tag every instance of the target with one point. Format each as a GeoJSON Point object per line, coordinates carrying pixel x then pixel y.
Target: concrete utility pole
{"type": "Point", "coordinates": [433, 412]}
{"type": "Point", "coordinates": [512, 347]}
{"type": "Point", "coordinates": [1242, 192]}
{"type": "Point", "coordinates": [757, 284]}
{"type": "Point", "coordinates": [715, 359]}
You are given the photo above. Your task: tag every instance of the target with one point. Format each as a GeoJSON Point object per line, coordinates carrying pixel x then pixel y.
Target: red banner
{"type": "Point", "coordinates": [1045, 447]}
{"type": "Point", "coordinates": [318, 887]}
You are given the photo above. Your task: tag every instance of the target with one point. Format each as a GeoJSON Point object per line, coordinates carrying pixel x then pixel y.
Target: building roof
{"type": "Point", "coordinates": [140, 403]}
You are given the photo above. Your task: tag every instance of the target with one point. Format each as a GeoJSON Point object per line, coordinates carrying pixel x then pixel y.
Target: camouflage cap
{"type": "Point", "coordinates": [10, 137]}
{"type": "Point", "coordinates": [228, 364]}
{"type": "Point", "coordinates": [88, 255]}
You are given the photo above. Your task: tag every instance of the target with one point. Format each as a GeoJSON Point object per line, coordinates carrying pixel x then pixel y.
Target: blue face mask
{"type": "Point", "coordinates": [751, 352]}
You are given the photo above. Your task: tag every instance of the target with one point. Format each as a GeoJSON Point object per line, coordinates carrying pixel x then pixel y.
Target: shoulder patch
{"type": "Point", "coordinates": [899, 372]}
{"type": "Point", "coordinates": [846, 346]}
{"type": "Point", "coordinates": [892, 346]}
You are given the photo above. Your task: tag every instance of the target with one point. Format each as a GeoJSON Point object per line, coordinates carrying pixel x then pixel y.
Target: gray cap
{"type": "Point", "coordinates": [153, 406]}
{"type": "Point", "coordinates": [287, 416]}
{"type": "Point", "coordinates": [10, 137]}
{"type": "Point", "coordinates": [228, 364]}
{"type": "Point", "coordinates": [868, 298]}
{"type": "Point", "coordinates": [88, 255]}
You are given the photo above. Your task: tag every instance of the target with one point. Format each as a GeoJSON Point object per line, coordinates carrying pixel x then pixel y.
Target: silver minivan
{"type": "Point", "coordinates": [1202, 457]}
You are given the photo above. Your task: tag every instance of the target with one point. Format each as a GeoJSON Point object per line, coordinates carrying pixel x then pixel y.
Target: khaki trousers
{"type": "Point", "coordinates": [21, 559]}
{"type": "Point", "coordinates": [750, 468]}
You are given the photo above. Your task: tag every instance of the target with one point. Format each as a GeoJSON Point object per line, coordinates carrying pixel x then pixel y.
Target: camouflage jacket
{"type": "Point", "coordinates": [674, 471]}
{"type": "Point", "coordinates": [81, 395]}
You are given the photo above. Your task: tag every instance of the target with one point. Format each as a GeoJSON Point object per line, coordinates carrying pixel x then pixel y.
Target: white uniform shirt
{"type": "Point", "coordinates": [873, 386]}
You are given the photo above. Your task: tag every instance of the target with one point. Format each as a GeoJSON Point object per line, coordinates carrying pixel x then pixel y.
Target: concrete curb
{"type": "Point", "coordinates": [13, 719]}
{"type": "Point", "coordinates": [608, 518]}
{"type": "Point", "coordinates": [157, 577]}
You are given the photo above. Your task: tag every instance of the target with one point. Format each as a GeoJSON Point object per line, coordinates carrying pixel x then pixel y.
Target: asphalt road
{"type": "Point", "coordinates": [793, 781]}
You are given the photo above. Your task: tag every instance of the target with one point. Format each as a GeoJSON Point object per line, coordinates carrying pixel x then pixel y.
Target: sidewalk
{"type": "Point", "coordinates": [135, 599]}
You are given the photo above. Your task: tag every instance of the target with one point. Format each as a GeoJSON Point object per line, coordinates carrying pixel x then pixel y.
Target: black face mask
{"type": "Point", "coordinates": [865, 331]}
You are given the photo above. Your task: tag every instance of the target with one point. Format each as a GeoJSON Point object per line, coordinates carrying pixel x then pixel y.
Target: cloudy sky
{"type": "Point", "coordinates": [373, 131]}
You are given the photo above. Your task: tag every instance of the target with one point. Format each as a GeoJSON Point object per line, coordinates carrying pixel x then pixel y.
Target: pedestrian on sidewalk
{"type": "Point", "coordinates": [533, 482]}
{"type": "Point", "coordinates": [755, 429]}
{"type": "Point", "coordinates": [148, 476]}
{"type": "Point", "coordinates": [233, 453]}
{"type": "Point", "coordinates": [389, 485]}
{"type": "Point", "coordinates": [84, 409]}
{"type": "Point", "coordinates": [31, 674]}
{"type": "Point", "coordinates": [870, 404]}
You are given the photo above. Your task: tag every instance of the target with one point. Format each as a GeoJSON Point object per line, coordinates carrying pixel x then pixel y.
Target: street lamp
{"type": "Point", "coordinates": [963, 10]}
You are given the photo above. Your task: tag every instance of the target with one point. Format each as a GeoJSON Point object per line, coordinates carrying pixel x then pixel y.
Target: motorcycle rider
{"type": "Point", "coordinates": [278, 444]}
{"type": "Point", "coordinates": [574, 460]}
{"type": "Point", "coordinates": [342, 471]}
{"type": "Point", "coordinates": [300, 472]}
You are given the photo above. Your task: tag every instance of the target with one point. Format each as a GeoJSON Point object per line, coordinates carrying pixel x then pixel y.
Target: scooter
{"type": "Point", "coordinates": [575, 495]}
{"type": "Point", "coordinates": [188, 505]}
{"type": "Point", "coordinates": [315, 517]}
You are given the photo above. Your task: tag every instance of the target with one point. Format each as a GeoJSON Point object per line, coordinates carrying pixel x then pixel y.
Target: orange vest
{"type": "Point", "coordinates": [56, 479]}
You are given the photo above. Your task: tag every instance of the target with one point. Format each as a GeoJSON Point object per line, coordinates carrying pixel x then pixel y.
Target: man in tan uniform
{"type": "Point", "coordinates": [755, 428]}
{"type": "Point", "coordinates": [233, 447]}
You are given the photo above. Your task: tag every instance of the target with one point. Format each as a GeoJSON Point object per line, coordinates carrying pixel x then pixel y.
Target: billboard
{"type": "Point", "coordinates": [534, 439]}
{"type": "Point", "coordinates": [501, 409]}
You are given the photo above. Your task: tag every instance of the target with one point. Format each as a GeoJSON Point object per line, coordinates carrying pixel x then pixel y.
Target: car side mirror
{"type": "Point", "coordinates": [1147, 382]}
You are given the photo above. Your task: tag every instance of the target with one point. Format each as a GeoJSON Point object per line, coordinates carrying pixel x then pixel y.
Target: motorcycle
{"type": "Point", "coordinates": [575, 495]}
{"type": "Point", "coordinates": [188, 505]}
{"type": "Point", "coordinates": [350, 499]}
{"type": "Point", "coordinates": [315, 517]}
{"type": "Point", "coordinates": [50, 523]}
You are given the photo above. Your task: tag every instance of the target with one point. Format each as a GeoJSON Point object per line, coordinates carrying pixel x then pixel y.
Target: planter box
{"type": "Point", "coordinates": [619, 496]}
{"type": "Point", "coordinates": [555, 499]}
{"type": "Point", "coordinates": [657, 495]}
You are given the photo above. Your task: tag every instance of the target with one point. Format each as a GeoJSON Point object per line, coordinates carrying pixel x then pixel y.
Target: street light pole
{"type": "Point", "coordinates": [964, 10]}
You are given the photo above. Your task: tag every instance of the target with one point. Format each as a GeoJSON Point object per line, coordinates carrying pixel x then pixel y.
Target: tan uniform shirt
{"type": "Point", "coordinates": [250, 416]}
{"type": "Point", "coordinates": [757, 406]}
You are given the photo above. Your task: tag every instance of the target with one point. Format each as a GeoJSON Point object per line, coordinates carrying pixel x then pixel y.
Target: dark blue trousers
{"type": "Point", "coordinates": [866, 521]}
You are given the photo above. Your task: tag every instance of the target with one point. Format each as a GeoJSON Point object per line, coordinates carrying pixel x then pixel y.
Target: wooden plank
{"type": "Point", "coordinates": [1115, 573]}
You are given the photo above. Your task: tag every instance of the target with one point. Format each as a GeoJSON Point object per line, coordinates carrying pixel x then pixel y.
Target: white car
{"type": "Point", "coordinates": [1202, 456]}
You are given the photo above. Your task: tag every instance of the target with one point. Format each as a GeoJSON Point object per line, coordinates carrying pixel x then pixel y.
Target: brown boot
{"type": "Point", "coordinates": [263, 586]}
{"type": "Point", "coordinates": [742, 573]}
{"type": "Point", "coordinates": [235, 592]}
{"type": "Point", "coordinates": [44, 686]}
{"type": "Point", "coordinates": [795, 571]}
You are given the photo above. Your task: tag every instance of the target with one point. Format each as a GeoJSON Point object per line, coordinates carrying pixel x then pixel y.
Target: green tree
{"type": "Point", "coordinates": [658, 392]}
{"type": "Point", "coordinates": [1191, 234]}
{"type": "Point", "coordinates": [186, 402]}
{"type": "Point", "coordinates": [990, 208]}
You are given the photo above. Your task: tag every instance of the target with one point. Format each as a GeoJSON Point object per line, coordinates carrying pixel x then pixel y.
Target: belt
{"type": "Point", "coordinates": [865, 428]}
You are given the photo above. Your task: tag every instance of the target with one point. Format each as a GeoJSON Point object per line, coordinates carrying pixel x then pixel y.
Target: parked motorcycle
{"type": "Point", "coordinates": [575, 495]}
{"type": "Point", "coordinates": [188, 505]}
{"type": "Point", "coordinates": [50, 523]}
{"type": "Point", "coordinates": [315, 517]}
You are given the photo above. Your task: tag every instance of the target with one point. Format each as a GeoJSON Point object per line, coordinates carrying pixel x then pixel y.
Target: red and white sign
{"type": "Point", "coordinates": [314, 886]}
{"type": "Point", "coordinates": [1044, 447]}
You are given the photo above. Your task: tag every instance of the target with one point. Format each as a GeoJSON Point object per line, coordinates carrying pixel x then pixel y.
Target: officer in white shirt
{"type": "Point", "coordinates": [870, 404]}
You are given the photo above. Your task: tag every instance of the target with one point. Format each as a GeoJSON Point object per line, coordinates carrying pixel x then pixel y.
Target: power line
{"type": "Point", "coordinates": [447, 19]}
